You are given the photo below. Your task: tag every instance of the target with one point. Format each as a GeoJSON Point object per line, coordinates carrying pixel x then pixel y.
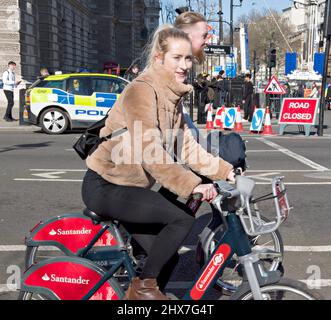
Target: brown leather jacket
{"type": "Point", "coordinates": [150, 108]}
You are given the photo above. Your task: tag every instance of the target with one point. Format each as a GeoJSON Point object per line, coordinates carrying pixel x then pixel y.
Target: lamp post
{"type": "Point", "coordinates": [220, 37]}
{"type": "Point", "coordinates": [231, 20]}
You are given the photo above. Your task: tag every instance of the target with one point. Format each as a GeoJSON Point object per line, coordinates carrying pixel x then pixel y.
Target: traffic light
{"type": "Point", "coordinates": [272, 61]}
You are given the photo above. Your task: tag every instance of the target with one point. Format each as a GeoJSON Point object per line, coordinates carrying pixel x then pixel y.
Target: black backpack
{"type": "Point", "coordinates": [231, 148]}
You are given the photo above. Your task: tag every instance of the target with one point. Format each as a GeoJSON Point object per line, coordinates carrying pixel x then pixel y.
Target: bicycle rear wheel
{"type": "Point", "coordinates": [285, 289]}
{"type": "Point", "coordinates": [35, 254]}
{"type": "Point", "coordinates": [24, 295]}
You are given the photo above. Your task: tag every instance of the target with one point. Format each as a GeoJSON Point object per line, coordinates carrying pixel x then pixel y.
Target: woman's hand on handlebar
{"type": "Point", "coordinates": [207, 190]}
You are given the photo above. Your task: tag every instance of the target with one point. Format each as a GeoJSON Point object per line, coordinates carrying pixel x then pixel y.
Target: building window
{"type": "Point", "coordinates": [29, 7]}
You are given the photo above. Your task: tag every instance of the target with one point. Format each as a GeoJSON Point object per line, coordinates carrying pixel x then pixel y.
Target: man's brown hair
{"type": "Point", "coordinates": [187, 19]}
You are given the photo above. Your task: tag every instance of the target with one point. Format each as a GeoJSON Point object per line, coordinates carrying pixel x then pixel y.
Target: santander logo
{"type": "Point", "coordinates": [218, 259]}
{"type": "Point", "coordinates": [61, 232]}
{"type": "Point", "coordinates": [57, 279]}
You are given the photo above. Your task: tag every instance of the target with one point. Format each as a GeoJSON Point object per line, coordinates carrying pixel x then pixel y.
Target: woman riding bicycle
{"type": "Point", "coordinates": [123, 170]}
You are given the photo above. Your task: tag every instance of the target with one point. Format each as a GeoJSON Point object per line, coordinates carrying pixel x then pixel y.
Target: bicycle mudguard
{"type": "Point", "coordinates": [69, 278]}
{"type": "Point", "coordinates": [71, 233]}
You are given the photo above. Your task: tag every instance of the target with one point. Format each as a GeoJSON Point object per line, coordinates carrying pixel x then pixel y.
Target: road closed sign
{"type": "Point", "coordinates": [299, 111]}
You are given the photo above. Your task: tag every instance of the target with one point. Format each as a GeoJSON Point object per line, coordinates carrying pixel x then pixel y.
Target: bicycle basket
{"type": "Point", "coordinates": [250, 215]}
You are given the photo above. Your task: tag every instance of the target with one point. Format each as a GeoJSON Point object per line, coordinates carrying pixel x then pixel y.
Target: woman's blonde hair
{"type": "Point", "coordinates": [188, 19]}
{"type": "Point", "coordinates": [159, 42]}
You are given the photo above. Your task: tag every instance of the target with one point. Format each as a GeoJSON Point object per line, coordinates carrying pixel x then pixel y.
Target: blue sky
{"type": "Point", "coordinates": [248, 5]}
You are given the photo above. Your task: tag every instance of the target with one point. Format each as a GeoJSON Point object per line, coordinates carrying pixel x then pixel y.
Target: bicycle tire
{"type": "Point", "coordinates": [31, 255]}
{"type": "Point", "coordinates": [226, 286]}
{"type": "Point", "coordinates": [24, 295]}
{"type": "Point", "coordinates": [277, 291]}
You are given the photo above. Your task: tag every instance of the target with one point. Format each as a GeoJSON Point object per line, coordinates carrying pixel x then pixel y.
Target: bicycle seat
{"type": "Point", "coordinates": [94, 216]}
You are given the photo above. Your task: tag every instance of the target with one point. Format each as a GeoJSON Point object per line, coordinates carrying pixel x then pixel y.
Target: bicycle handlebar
{"type": "Point", "coordinates": [226, 190]}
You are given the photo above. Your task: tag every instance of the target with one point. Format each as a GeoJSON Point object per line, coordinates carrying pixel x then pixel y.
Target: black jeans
{"type": "Point", "coordinates": [158, 224]}
{"type": "Point", "coordinates": [248, 109]}
{"type": "Point", "coordinates": [10, 98]}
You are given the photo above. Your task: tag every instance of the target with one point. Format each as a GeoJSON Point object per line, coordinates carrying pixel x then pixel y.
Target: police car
{"type": "Point", "coordinates": [68, 101]}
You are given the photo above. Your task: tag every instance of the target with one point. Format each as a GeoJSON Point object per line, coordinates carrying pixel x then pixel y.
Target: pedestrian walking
{"type": "Point", "coordinates": [220, 90]}
{"type": "Point", "coordinates": [328, 96]}
{"type": "Point", "coordinates": [9, 84]}
{"type": "Point", "coordinates": [248, 98]}
{"type": "Point", "coordinates": [314, 92]}
{"type": "Point", "coordinates": [201, 97]}
{"type": "Point", "coordinates": [301, 90]}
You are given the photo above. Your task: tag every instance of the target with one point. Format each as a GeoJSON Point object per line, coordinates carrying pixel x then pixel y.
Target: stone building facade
{"type": "Point", "coordinates": [69, 34]}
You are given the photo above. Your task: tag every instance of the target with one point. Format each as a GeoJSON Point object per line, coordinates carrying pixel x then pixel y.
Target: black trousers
{"type": "Point", "coordinates": [248, 109]}
{"type": "Point", "coordinates": [10, 99]}
{"type": "Point", "coordinates": [159, 224]}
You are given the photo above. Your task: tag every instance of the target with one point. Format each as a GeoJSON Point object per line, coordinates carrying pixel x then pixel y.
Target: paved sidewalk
{"type": "Point", "coordinates": [13, 126]}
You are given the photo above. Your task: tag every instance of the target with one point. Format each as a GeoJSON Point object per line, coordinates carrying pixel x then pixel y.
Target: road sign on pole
{"type": "Point", "coordinates": [217, 49]}
{"type": "Point", "coordinates": [274, 87]}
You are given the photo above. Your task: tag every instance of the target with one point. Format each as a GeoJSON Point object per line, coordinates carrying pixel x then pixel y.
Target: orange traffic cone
{"type": "Point", "coordinates": [239, 125]}
{"type": "Point", "coordinates": [219, 118]}
{"type": "Point", "coordinates": [267, 130]}
{"type": "Point", "coordinates": [210, 123]}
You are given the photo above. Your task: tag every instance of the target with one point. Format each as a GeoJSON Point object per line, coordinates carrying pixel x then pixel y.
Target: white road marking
{"type": "Point", "coordinates": [8, 288]}
{"type": "Point", "coordinates": [59, 170]}
{"type": "Point", "coordinates": [318, 283]}
{"type": "Point", "coordinates": [262, 176]}
{"type": "Point", "coordinates": [253, 151]}
{"type": "Point", "coordinates": [282, 170]}
{"type": "Point", "coordinates": [49, 180]}
{"type": "Point", "coordinates": [307, 248]}
{"type": "Point", "coordinates": [294, 155]}
{"type": "Point", "coordinates": [50, 175]}
{"type": "Point", "coordinates": [299, 183]}
{"type": "Point", "coordinates": [18, 248]}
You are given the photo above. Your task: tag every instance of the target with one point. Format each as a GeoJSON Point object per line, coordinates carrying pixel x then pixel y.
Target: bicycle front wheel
{"type": "Point", "coordinates": [232, 275]}
{"type": "Point", "coordinates": [285, 289]}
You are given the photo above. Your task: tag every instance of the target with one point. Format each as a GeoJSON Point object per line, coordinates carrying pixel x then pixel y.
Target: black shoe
{"type": "Point", "coordinates": [8, 119]}
{"type": "Point", "coordinates": [13, 119]}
